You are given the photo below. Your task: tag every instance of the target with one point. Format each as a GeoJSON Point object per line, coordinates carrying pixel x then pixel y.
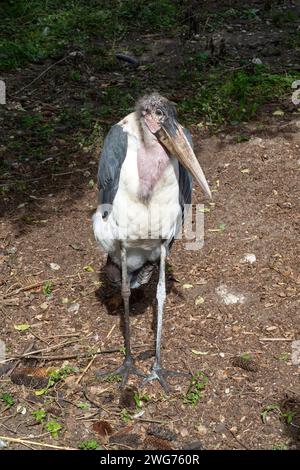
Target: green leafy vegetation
{"type": "Point", "coordinates": [55, 377]}
{"type": "Point", "coordinates": [50, 425]}
{"type": "Point", "coordinates": [141, 399]}
{"type": "Point", "coordinates": [39, 415]}
{"type": "Point", "coordinates": [33, 31]}
{"type": "Point", "coordinates": [53, 427]}
{"type": "Point", "coordinates": [280, 446]}
{"type": "Point", "coordinates": [47, 288]}
{"type": "Point", "coordinates": [287, 415]}
{"type": "Point", "coordinates": [7, 399]}
{"type": "Point", "coordinates": [125, 416]}
{"type": "Point", "coordinates": [235, 96]}
{"type": "Point", "coordinates": [91, 444]}
{"type": "Point", "coordinates": [196, 388]}
{"type": "Point", "coordinates": [113, 378]}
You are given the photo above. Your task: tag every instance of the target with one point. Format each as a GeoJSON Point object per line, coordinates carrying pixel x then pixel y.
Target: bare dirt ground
{"type": "Point", "coordinates": [231, 319]}
{"type": "Point", "coordinates": [260, 212]}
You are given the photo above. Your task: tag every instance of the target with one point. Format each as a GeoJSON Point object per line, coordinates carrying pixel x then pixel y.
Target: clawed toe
{"type": "Point", "coordinates": [160, 374]}
{"type": "Point", "coordinates": [124, 371]}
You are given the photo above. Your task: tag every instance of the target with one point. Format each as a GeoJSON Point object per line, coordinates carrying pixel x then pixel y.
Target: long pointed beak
{"type": "Point", "coordinates": [174, 139]}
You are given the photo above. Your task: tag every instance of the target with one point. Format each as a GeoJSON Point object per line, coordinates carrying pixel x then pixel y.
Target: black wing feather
{"type": "Point", "coordinates": [111, 160]}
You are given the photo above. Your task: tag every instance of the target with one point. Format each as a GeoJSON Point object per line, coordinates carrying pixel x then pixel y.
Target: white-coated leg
{"type": "Point", "coordinates": [157, 372]}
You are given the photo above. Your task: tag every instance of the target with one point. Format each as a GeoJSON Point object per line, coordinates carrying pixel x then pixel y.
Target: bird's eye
{"type": "Point", "coordinates": [159, 113]}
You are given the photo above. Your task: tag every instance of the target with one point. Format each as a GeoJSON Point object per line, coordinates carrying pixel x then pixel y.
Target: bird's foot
{"type": "Point", "coordinates": [122, 373]}
{"type": "Point", "coordinates": [160, 374]}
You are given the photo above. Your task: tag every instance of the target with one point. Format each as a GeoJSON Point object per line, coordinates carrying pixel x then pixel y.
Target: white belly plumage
{"type": "Point", "coordinates": [141, 226]}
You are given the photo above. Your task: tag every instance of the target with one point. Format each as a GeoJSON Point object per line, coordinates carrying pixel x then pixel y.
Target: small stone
{"type": "Point", "coordinates": [248, 258]}
{"type": "Point", "coordinates": [202, 430]}
{"type": "Point", "coordinates": [12, 250]}
{"type": "Point", "coordinates": [256, 61]}
{"type": "Point", "coordinates": [221, 427]}
{"type": "Point", "coordinates": [44, 306]}
{"type": "Point", "coordinates": [54, 266]}
{"type": "Point", "coordinates": [3, 444]}
{"type": "Point", "coordinates": [74, 308]}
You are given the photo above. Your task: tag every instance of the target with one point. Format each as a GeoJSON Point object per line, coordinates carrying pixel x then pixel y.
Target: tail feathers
{"type": "Point", "coordinates": [137, 278]}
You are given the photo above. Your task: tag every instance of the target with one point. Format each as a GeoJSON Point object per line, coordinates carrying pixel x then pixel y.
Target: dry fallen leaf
{"type": "Point", "coordinates": [199, 300]}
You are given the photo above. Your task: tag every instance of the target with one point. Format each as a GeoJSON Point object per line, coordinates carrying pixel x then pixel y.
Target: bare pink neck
{"type": "Point", "coordinates": [152, 160]}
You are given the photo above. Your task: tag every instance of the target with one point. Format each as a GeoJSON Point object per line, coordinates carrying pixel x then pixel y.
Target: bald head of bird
{"type": "Point", "coordinates": [157, 117]}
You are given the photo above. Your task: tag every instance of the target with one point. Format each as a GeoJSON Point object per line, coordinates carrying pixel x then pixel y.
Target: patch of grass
{"type": "Point", "coordinates": [39, 415]}
{"type": "Point", "coordinates": [125, 416]}
{"type": "Point", "coordinates": [267, 410]}
{"type": "Point", "coordinates": [285, 356]}
{"type": "Point", "coordinates": [113, 378]}
{"type": "Point", "coordinates": [235, 96]}
{"type": "Point", "coordinates": [242, 138]}
{"type": "Point", "coordinates": [279, 446]}
{"type": "Point", "coordinates": [280, 17]}
{"type": "Point", "coordinates": [33, 31]}
{"type": "Point", "coordinates": [246, 357]}
{"type": "Point", "coordinates": [47, 288]}
{"type": "Point", "coordinates": [287, 415]}
{"type": "Point", "coordinates": [141, 399]}
{"type": "Point", "coordinates": [7, 398]}
{"type": "Point", "coordinates": [56, 376]}
{"type": "Point", "coordinates": [196, 389]}
{"type": "Point", "coordinates": [89, 444]}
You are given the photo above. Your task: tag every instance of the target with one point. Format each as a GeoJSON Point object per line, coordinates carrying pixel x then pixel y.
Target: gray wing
{"type": "Point", "coordinates": [185, 179]}
{"type": "Point", "coordinates": [111, 160]}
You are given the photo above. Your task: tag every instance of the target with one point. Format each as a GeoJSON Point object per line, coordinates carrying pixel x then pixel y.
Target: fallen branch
{"type": "Point", "coordinates": [35, 443]}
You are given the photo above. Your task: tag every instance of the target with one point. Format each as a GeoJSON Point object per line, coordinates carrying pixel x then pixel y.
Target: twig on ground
{"type": "Point", "coordinates": [35, 443]}
{"type": "Point", "coordinates": [276, 339]}
{"type": "Point", "coordinates": [86, 369]}
{"type": "Point", "coordinates": [41, 75]}
{"type": "Point", "coordinates": [33, 353]}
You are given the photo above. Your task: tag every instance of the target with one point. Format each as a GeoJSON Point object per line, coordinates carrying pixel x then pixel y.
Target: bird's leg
{"type": "Point", "coordinates": [128, 367]}
{"type": "Point", "coordinates": [157, 372]}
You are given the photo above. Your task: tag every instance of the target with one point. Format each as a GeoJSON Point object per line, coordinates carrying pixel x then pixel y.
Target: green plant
{"type": "Point", "coordinates": [53, 427]}
{"type": "Point", "coordinates": [33, 31]}
{"type": "Point", "coordinates": [281, 17]}
{"type": "Point", "coordinates": [140, 399]}
{"type": "Point", "coordinates": [84, 406]}
{"type": "Point", "coordinates": [47, 288]}
{"type": "Point", "coordinates": [225, 96]}
{"type": "Point", "coordinates": [285, 356]}
{"type": "Point", "coordinates": [246, 357]}
{"type": "Point", "coordinates": [196, 388]}
{"type": "Point", "coordinates": [287, 415]}
{"type": "Point", "coordinates": [39, 415]}
{"type": "Point", "coordinates": [267, 410]}
{"type": "Point", "coordinates": [280, 446]}
{"type": "Point", "coordinates": [55, 377]}
{"type": "Point", "coordinates": [125, 416]}
{"type": "Point", "coordinates": [113, 378]}
{"type": "Point", "coordinates": [91, 444]}
{"type": "Point", "coordinates": [7, 399]}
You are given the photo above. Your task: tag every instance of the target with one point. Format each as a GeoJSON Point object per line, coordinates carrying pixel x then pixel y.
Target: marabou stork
{"type": "Point", "coordinates": [144, 180]}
